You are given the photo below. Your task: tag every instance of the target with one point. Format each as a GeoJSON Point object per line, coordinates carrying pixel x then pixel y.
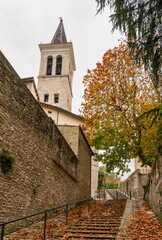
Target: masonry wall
{"type": "Point", "coordinates": [53, 84]}
{"type": "Point", "coordinates": [76, 139]}
{"type": "Point", "coordinates": [71, 134]}
{"type": "Point", "coordinates": [136, 184]}
{"type": "Point", "coordinates": [154, 189]}
{"type": "Point", "coordinates": [41, 178]}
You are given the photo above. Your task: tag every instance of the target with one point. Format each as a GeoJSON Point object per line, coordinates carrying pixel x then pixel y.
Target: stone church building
{"type": "Point", "coordinates": [53, 164]}
{"type": "Point", "coordinates": [55, 81]}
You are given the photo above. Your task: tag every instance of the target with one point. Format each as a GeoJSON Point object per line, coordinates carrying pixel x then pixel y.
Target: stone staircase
{"type": "Point", "coordinates": [96, 220]}
{"type": "Point", "coordinates": [116, 194]}
{"type": "Point", "coordinates": [101, 195]}
{"type": "Point", "coordinates": [121, 196]}
{"type": "Point", "coordinates": [102, 222]}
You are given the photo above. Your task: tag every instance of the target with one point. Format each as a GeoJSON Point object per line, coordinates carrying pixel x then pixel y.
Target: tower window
{"type": "Point", "coordinates": [58, 65]}
{"type": "Point", "coordinates": [46, 96]}
{"type": "Point", "coordinates": [56, 98]}
{"type": "Point", "coordinates": [49, 66]}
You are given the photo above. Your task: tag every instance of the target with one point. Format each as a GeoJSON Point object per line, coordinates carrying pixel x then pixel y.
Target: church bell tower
{"type": "Point", "coordinates": [57, 67]}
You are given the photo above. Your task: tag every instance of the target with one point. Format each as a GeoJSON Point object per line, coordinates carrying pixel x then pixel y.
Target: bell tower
{"type": "Point", "coordinates": [57, 67]}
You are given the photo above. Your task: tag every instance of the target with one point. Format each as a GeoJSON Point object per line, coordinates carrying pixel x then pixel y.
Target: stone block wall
{"type": "Point", "coordinates": [53, 84]}
{"type": "Point", "coordinates": [84, 169]}
{"type": "Point", "coordinates": [77, 141]}
{"type": "Point", "coordinates": [42, 177]}
{"type": "Point", "coordinates": [135, 184]}
{"type": "Point", "coordinates": [154, 190]}
{"type": "Point", "coordinates": [71, 134]}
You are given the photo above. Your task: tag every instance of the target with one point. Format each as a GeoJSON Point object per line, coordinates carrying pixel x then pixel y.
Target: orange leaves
{"type": "Point", "coordinates": [117, 92]}
{"type": "Point", "coordinates": [143, 225]}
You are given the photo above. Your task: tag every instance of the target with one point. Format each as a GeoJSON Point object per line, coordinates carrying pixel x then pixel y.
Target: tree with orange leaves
{"type": "Point", "coordinates": [117, 93]}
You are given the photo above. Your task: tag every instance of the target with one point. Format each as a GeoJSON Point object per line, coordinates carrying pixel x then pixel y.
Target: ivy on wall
{"type": "Point", "coordinates": [6, 161]}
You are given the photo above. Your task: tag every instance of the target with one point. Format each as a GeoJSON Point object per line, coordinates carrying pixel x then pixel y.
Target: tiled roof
{"type": "Point", "coordinates": [60, 36]}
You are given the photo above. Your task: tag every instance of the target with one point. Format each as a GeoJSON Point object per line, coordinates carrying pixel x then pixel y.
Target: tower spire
{"type": "Point", "coordinates": [60, 36]}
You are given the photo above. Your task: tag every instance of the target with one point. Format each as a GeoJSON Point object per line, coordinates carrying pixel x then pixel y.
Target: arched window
{"type": "Point", "coordinates": [49, 65]}
{"type": "Point", "coordinates": [58, 65]}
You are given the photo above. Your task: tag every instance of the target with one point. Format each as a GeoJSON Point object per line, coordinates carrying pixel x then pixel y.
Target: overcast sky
{"type": "Point", "coordinates": [26, 23]}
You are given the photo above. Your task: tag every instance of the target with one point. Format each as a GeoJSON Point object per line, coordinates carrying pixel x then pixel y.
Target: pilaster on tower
{"type": "Point", "coordinates": [57, 67]}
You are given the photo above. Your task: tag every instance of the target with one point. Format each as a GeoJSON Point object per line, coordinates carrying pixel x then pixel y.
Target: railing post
{"type": "Point", "coordinates": [80, 211]}
{"type": "Point", "coordinates": [99, 197]}
{"type": "Point", "coordinates": [66, 214]}
{"type": "Point", "coordinates": [130, 195]}
{"type": "Point", "coordinates": [117, 195]}
{"type": "Point", "coordinates": [45, 217]}
{"type": "Point", "coordinates": [2, 231]}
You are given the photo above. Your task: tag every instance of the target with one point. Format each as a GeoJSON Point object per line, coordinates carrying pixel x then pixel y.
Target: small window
{"type": "Point", "coordinates": [49, 66]}
{"type": "Point", "coordinates": [58, 65]}
{"type": "Point", "coordinates": [46, 96]}
{"type": "Point", "coordinates": [56, 98]}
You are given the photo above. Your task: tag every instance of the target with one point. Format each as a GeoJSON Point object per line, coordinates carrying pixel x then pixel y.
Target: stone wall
{"type": "Point", "coordinates": [135, 184]}
{"type": "Point", "coordinates": [154, 189]}
{"type": "Point", "coordinates": [138, 165]}
{"type": "Point", "coordinates": [77, 141]}
{"type": "Point", "coordinates": [43, 176]}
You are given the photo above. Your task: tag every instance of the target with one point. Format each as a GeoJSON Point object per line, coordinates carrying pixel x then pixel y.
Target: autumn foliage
{"type": "Point", "coordinates": [118, 94]}
{"type": "Point", "coordinates": [143, 225]}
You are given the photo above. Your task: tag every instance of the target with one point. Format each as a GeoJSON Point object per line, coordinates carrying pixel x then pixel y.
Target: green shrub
{"type": "Point", "coordinates": [111, 185]}
{"type": "Point", "coordinates": [6, 161]}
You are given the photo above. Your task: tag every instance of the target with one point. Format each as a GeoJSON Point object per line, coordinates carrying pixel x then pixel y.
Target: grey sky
{"type": "Point", "coordinates": [26, 23]}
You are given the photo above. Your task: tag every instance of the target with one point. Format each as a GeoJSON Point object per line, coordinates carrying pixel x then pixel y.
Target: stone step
{"type": "Point", "coordinates": [91, 237]}
{"type": "Point", "coordinates": [98, 225]}
{"type": "Point", "coordinates": [104, 217]}
{"type": "Point", "coordinates": [100, 220]}
{"type": "Point", "coordinates": [96, 228]}
{"type": "Point", "coordinates": [92, 232]}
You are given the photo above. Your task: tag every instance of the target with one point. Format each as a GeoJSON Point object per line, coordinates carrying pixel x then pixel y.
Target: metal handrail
{"type": "Point", "coordinates": [45, 216]}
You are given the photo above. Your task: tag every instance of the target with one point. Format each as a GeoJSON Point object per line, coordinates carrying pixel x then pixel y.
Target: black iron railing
{"type": "Point", "coordinates": [45, 215]}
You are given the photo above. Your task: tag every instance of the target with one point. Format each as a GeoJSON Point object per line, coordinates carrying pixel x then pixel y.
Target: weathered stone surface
{"type": "Point", "coordinates": [44, 174]}
{"type": "Point", "coordinates": [154, 189]}
{"type": "Point", "coordinates": [57, 84]}
{"type": "Point", "coordinates": [135, 184]}
{"type": "Point", "coordinates": [77, 141]}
